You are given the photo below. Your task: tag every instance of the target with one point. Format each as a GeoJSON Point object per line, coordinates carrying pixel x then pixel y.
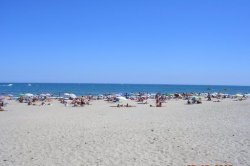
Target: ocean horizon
{"type": "Point", "coordinates": [106, 88]}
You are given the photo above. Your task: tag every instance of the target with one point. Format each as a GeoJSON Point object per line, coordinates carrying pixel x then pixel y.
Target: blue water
{"type": "Point", "coordinates": [95, 89]}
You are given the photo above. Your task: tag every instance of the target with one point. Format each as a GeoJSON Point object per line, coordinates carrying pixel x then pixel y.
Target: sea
{"type": "Point", "coordinates": [58, 89]}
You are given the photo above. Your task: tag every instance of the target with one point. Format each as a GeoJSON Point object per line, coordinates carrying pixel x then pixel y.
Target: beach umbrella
{"type": "Point", "coordinates": [239, 95]}
{"type": "Point", "coordinates": [137, 94]}
{"type": "Point", "coordinates": [28, 95]}
{"type": "Point", "coordinates": [204, 94]}
{"type": "Point", "coordinates": [121, 98]}
{"type": "Point", "coordinates": [73, 96]}
{"type": "Point", "coordinates": [247, 95]}
{"type": "Point", "coordinates": [118, 95]}
{"type": "Point", "coordinates": [195, 97]}
{"type": "Point", "coordinates": [47, 94]}
{"type": "Point", "coordinates": [66, 94]}
{"type": "Point", "coordinates": [152, 95]}
{"type": "Point", "coordinates": [214, 94]}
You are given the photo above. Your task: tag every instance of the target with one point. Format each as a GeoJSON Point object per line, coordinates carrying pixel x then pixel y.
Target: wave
{"type": "Point", "coordinates": [7, 85]}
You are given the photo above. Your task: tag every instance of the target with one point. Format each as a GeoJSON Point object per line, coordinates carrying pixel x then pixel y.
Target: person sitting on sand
{"type": "Point", "coordinates": [30, 103]}
{"type": "Point", "coordinates": [82, 103]}
{"type": "Point", "coordinates": [34, 99]}
{"type": "Point", "coordinates": [241, 99]}
{"type": "Point", "coordinates": [21, 99]}
{"type": "Point", "coordinates": [158, 101]}
{"type": "Point", "coordinates": [159, 104]}
{"type": "Point", "coordinates": [189, 102]}
{"type": "Point", "coordinates": [209, 97]}
{"type": "Point", "coordinates": [193, 100]}
{"type": "Point", "coordinates": [199, 101]}
{"type": "Point", "coordinates": [75, 104]}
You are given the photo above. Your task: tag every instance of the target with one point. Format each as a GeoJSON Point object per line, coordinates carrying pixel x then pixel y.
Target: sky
{"type": "Point", "coordinates": [127, 41]}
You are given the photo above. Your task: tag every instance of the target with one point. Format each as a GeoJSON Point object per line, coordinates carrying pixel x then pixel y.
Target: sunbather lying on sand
{"type": "Point", "coordinates": [121, 105]}
{"type": "Point", "coordinates": [194, 101]}
{"type": "Point", "coordinates": [145, 102]}
{"type": "Point", "coordinates": [243, 98]}
{"type": "Point", "coordinates": [199, 102]}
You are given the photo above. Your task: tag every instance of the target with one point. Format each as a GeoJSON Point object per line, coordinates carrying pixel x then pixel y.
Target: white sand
{"type": "Point", "coordinates": [174, 135]}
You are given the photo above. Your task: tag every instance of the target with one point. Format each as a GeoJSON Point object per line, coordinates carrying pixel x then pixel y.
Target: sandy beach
{"type": "Point", "coordinates": [98, 134]}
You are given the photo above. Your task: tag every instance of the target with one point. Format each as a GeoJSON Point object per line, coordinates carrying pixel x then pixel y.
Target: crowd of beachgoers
{"type": "Point", "coordinates": [156, 129]}
{"type": "Point", "coordinates": [120, 100]}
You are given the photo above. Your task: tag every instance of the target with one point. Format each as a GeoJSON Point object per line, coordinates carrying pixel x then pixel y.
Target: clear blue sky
{"type": "Point", "coordinates": [129, 41]}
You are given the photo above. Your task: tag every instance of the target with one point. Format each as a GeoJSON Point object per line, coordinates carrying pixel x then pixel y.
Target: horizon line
{"type": "Point", "coordinates": [119, 83]}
